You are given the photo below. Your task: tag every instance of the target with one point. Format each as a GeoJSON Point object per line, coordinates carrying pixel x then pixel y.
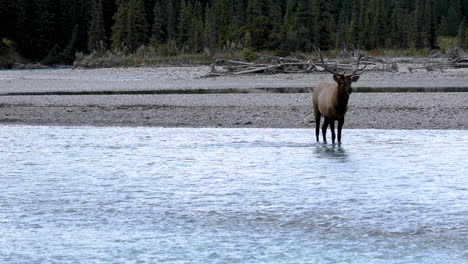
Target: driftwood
{"type": "Point", "coordinates": [458, 58]}
{"type": "Point", "coordinates": [267, 64]}
{"type": "Point", "coordinates": [273, 64]}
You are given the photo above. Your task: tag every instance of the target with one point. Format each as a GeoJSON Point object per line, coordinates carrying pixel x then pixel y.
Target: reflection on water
{"type": "Point", "coordinates": [333, 151]}
{"type": "Point", "coordinates": [104, 195]}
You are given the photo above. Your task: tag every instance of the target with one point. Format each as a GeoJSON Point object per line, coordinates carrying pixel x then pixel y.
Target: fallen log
{"type": "Point", "coordinates": [261, 69]}
{"type": "Point", "coordinates": [240, 62]}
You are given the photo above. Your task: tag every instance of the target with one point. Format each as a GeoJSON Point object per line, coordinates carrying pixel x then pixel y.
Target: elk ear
{"type": "Point", "coordinates": [355, 78]}
{"type": "Point", "coordinates": [336, 78]}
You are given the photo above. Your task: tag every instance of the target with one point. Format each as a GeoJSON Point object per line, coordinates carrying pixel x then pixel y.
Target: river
{"type": "Point", "coordinates": [181, 195]}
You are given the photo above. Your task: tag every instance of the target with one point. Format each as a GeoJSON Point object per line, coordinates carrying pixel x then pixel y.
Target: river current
{"type": "Point", "coordinates": [182, 195]}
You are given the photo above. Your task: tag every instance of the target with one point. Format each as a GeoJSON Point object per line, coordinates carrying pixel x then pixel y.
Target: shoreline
{"type": "Point", "coordinates": [180, 97]}
{"type": "Point", "coordinates": [412, 111]}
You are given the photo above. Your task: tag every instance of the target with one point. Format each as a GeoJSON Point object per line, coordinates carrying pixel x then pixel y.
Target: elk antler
{"type": "Point", "coordinates": [355, 72]}
{"type": "Point", "coordinates": [325, 65]}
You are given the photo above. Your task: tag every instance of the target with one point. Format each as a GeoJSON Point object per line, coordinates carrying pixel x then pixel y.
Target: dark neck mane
{"type": "Point", "coordinates": [342, 101]}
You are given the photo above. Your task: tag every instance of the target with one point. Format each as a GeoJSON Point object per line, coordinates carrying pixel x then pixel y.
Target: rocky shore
{"type": "Point", "coordinates": [366, 110]}
{"type": "Point", "coordinates": [45, 100]}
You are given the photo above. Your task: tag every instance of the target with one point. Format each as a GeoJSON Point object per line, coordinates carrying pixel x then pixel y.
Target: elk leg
{"type": "Point", "coordinates": [324, 129]}
{"type": "Point", "coordinates": [332, 129]}
{"type": "Point", "coordinates": [317, 125]}
{"type": "Point", "coordinates": [340, 126]}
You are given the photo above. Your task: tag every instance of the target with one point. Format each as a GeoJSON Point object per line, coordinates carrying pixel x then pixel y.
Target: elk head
{"type": "Point", "coordinates": [342, 79]}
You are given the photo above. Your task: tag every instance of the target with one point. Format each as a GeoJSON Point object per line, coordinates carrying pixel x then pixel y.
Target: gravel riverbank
{"type": "Point", "coordinates": [283, 110]}
{"type": "Point", "coordinates": [366, 110]}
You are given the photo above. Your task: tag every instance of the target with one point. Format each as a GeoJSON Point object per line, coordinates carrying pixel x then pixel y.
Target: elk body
{"type": "Point", "coordinates": [331, 101]}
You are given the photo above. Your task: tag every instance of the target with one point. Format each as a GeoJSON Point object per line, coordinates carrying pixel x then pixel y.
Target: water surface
{"type": "Point", "coordinates": [110, 195]}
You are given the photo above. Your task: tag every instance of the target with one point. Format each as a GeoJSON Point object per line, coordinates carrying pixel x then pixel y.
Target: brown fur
{"type": "Point", "coordinates": [331, 101]}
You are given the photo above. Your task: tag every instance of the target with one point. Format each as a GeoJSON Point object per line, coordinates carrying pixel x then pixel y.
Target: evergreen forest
{"type": "Point", "coordinates": [38, 28]}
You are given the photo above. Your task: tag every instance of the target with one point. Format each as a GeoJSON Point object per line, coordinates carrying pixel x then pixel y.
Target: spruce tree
{"type": "Point", "coordinates": [210, 31]}
{"type": "Point", "coordinates": [344, 21]}
{"type": "Point", "coordinates": [304, 25]}
{"type": "Point", "coordinates": [185, 23]}
{"type": "Point", "coordinates": [223, 10]}
{"type": "Point", "coordinates": [141, 25]}
{"type": "Point", "coordinates": [430, 25]}
{"type": "Point", "coordinates": [45, 27]}
{"type": "Point", "coordinates": [157, 32]}
{"type": "Point", "coordinates": [379, 24]}
{"type": "Point", "coordinates": [119, 30]}
{"type": "Point", "coordinates": [96, 32]}
{"type": "Point", "coordinates": [24, 34]}
{"type": "Point", "coordinates": [196, 32]}
{"type": "Point", "coordinates": [325, 23]}
{"type": "Point", "coordinates": [8, 16]}
{"type": "Point", "coordinates": [356, 24]}
{"type": "Point", "coordinates": [397, 26]}
{"type": "Point", "coordinates": [462, 34]}
{"type": "Point", "coordinates": [171, 20]}
{"type": "Point", "coordinates": [453, 20]}
{"type": "Point", "coordinates": [239, 18]}
{"type": "Point", "coordinates": [417, 36]}
{"type": "Point", "coordinates": [289, 30]}
{"type": "Point", "coordinates": [258, 23]}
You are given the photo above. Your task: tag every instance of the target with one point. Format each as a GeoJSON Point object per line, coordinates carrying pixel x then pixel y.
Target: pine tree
{"type": "Point", "coordinates": [45, 27]}
{"type": "Point", "coordinates": [304, 25]}
{"type": "Point", "coordinates": [119, 30]}
{"type": "Point", "coordinates": [289, 30]}
{"type": "Point", "coordinates": [325, 23]}
{"type": "Point", "coordinates": [430, 25]}
{"type": "Point", "coordinates": [109, 8]}
{"type": "Point", "coordinates": [397, 25]}
{"type": "Point", "coordinates": [417, 36]}
{"type": "Point", "coordinates": [24, 35]}
{"type": "Point", "coordinates": [7, 18]}
{"type": "Point", "coordinates": [462, 34]}
{"type": "Point", "coordinates": [141, 25]}
{"type": "Point", "coordinates": [259, 24]}
{"type": "Point", "coordinates": [223, 10]}
{"type": "Point", "coordinates": [210, 31]}
{"type": "Point", "coordinates": [185, 19]}
{"type": "Point", "coordinates": [276, 21]}
{"type": "Point", "coordinates": [453, 20]}
{"type": "Point", "coordinates": [171, 20]}
{"type": "Point", "coordinates": [344, 21]}
{"type": "Point", "coordinates": [96, 33]}
{"type": "Point", "coordinates": [196, 32]}
{"type": "Point", "coordinates": [239, 18]}
{"type": "Point", "coordinates": [157, 32]}
{"type": "Point", "coordinates": [356, 24]}
{"type": "Point", "coordinates": [378, 25]}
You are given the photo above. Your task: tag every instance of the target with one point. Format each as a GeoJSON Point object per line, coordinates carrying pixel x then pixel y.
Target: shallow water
{"type": "Point", "coordinates": [110, 195]}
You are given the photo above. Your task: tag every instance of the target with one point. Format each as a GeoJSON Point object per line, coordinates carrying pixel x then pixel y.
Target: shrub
{"type": "Point", "coordinates": [8, 54]}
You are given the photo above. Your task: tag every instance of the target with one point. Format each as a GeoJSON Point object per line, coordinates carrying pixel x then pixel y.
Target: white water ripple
{"type": "Point", "coordinates": [85, 194]}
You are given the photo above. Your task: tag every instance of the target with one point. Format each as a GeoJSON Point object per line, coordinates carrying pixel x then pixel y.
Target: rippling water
{"type": "Point", "coordinates": [110, 195]}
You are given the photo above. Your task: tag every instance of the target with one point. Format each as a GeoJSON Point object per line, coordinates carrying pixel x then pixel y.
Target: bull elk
{"type": "Point", "coordinates": [331, 99]}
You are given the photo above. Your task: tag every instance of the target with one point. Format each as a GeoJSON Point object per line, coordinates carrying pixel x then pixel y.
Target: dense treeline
{"type": "Point", "coordinates": [61, 27]}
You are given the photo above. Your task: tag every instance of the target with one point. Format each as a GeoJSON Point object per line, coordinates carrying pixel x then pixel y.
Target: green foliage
{"type": "Point", "coordinates": [8, 53]}
{"type": "Point", "coordinates": [200, 26]}
{"type": "Point", "coordinates": [258, 23]}
{"type": "Point", "coordinates": [96, 33]}
{"type": "Point", "coordinates": [446, 43]}
{"type": "Point", "coordinates": [462, 34]}
{"type": "Point", "coordinates": [119, 30]}
{"type": "Point", "coordinates": [157, 32]}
